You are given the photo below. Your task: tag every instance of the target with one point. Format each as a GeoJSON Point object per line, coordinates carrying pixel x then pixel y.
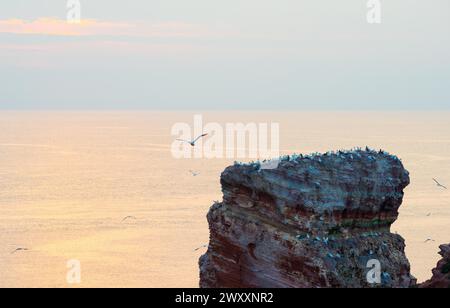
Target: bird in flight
{"type": "Point", "coordinates": [439, 184]}
{"type": "Point", "coordinates": [203, 246]}
{"type": "Point", "coordinates": [429, 240]}
{"type": "Point", "coordinates": [19, 249]}
{"type": "Point", "coordinates": [194, 173]}
{"type": "Point", "coordinates": [193, 142]}
{"type": "Point", "coordinates": [129, 217]}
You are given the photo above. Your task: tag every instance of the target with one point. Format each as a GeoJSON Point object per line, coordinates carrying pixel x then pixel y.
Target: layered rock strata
{"type": "Point", "coordinates": [312, 221]}
{"type": "Point", "coordinates": [441, 274]}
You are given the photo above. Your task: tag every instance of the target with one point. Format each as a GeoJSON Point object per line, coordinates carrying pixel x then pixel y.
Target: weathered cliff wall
{"type": "Point", "coordinates": [313, 221]}
{"type": "Point", "coordinates": [441, 274]}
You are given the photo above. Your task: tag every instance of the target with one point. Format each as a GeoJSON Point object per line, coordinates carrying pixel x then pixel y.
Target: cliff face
{"type": "Point", "coordinates": [441, 274]}
{"type": "Point", "coordinates": [313, 221]}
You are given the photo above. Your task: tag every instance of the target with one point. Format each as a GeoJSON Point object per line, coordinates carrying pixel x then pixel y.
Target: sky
{"type": "Point", "coordinates": [225, 54]}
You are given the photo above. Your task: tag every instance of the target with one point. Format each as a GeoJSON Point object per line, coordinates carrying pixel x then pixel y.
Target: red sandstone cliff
{"type": "Point", "coordinates": [441, 274]}
{"type": "Point", "coordinates": [313, 221]}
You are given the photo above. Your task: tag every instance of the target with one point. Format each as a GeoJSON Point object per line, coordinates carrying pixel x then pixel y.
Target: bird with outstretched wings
{"type": "Point", "coordinates": [193, 142]}
{"type": "Point", "coordinates": [439, 184]}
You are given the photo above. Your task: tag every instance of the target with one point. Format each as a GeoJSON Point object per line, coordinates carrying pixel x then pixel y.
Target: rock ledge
{"type": "Point", "coordinates": [441, 274]}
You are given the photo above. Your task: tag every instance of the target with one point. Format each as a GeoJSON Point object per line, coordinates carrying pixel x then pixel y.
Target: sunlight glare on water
{"type": "Point", "coordinates": [67, 180]}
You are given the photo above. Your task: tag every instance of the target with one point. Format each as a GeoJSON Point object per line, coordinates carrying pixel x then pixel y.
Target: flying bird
{"type": "Point", "coordinates": [129, 217]}
{"type": "Point", "coordinates": [194, 173]}
{"type": "Point", "coordinates": [439, 184]}
{"type": "Point", "coordinates": [203, 246]}
{"type": "Point", "coordinates": [19, 249]}
{"type": "Point", "coordinates": [429, 240]}
{"type": "Point", "coordinates": [193, 142]}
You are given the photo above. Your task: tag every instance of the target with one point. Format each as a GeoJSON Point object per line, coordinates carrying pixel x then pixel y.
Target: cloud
{"type": "Point", "coordinates": [91, 27]}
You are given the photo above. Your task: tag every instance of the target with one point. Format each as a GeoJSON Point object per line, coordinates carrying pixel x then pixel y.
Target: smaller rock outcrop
{"type": "Point", "coordinates": [441, 274]}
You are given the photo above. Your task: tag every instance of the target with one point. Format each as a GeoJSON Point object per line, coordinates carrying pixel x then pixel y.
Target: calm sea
{"type": "Point", "coordinates": [68, 179]}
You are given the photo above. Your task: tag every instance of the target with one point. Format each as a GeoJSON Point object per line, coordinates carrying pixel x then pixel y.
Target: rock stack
{"type": "Point", "coordinates": [441, 274]}
{"type": "Point", "coordinates": [312, 221]}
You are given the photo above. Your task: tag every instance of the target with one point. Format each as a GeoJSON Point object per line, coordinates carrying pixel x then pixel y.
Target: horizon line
{"type": "Point", "coordinates": [220, 110]}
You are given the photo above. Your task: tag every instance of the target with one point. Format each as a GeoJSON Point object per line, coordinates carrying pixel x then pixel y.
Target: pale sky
{"type": "Point", "coordinates": [225, 54]}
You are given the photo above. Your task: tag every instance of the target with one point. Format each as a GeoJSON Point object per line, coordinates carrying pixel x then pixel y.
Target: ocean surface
{"type": "Point", "coordinates": [68, 180]}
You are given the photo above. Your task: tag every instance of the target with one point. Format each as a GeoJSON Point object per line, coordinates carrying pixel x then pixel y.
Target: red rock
{"type": "Point", "coordinates": [441, 274]}
{"type": "Point", "coordinates": [314, 221]}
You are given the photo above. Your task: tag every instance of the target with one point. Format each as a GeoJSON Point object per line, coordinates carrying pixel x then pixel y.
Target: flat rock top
{"type": "Point", "coordinates": [359, 184]}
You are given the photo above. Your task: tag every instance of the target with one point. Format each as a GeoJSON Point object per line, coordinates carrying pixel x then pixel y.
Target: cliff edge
{"type": "Point", "coordinates": [441, 274]}
{"type": "Point", "coordinates": [309, 221]}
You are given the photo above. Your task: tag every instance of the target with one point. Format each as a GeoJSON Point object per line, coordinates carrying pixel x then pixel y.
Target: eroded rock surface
{"type": "Point", "coordinates": [441, 274]}
{"type": "Point", "coordinates": [313, 221]}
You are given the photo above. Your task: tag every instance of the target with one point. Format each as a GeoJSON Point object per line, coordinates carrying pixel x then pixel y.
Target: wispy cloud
{"type": "Point", "coordinates": [91, 27]}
